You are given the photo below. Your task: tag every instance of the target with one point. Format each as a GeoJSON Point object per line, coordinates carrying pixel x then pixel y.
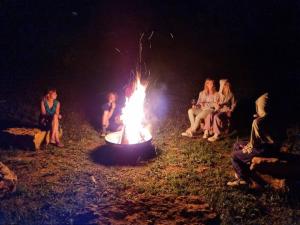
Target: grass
{"type": "Point", "coordinates": [55, 186]}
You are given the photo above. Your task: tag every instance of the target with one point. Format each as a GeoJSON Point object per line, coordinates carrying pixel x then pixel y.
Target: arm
{"type": "Point", "coordinates": [233, 104]}
{"type": "Point", "coordinates": [43, 109]}
{"type": "Point", "coordinates": [230, 109]}
{"type": "Point", "coordinates": [111, 111]}
{"type": "Point", "coordinates": [200, 100]}
{"type": "Point", "coordinates": [217, 102]}
{"type": "Point", "coordinates": [105, 118]}
{"type": "Point", "coordinates": [57, 111]}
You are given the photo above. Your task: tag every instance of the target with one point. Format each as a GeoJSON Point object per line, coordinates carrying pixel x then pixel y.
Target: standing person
{"type": "Point", "coordinates": [110, 120]}
{"type": "Point", "coordinates": [260, 144]}
{"type": "Point", "coordinates": [50, 116]}
{"type": "Point", "coordinates": [219, 120]}
{"type": "Point", "coordinates": [205, 105]}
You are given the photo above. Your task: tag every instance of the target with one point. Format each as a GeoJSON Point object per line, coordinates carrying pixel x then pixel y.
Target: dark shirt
{"type": "Point", "coordinates": [117, 112]}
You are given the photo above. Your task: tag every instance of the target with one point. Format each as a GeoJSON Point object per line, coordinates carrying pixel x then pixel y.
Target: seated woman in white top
{"type": "Point", "coordinates": [204, 106]}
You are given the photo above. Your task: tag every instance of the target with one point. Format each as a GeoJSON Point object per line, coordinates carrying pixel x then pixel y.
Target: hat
{"type": "Point", "coordinates": [261, 104]}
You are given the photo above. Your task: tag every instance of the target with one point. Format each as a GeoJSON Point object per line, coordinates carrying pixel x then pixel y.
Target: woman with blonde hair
{"type": "Point", "coordinates": [217, 121]}
{"type": "Point", "coordinates": [203, 107]}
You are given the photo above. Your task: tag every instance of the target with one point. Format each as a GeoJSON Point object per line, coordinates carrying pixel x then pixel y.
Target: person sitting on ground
{"type": "Point", "coordinates": [50, 116]}
{"type": "Point", "coordinates": [260, 144]}
{"type": "Point", "coordinates": [204, 106]}
{"type": "Point", "coordinates": [217, 121]}
{"type": "Point", "coordinates": [110, 120]}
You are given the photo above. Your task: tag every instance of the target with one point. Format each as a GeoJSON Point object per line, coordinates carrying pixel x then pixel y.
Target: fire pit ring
{"type": "Point", "coordinates": [114, 139]}
{"type": "Point", "coordinates": [130, 154]}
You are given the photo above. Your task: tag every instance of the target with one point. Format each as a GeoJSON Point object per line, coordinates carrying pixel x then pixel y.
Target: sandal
{"type": "Point", "coordinates": [205, 135]}
{"type": "Point", "coordinates": [236, 183]}
{"type": "Point", "coordinates": [187, 133]}
{"type": "Point", "coordinates": [213, 138]}
{"type": "Point", "coordinates": [60, 145]}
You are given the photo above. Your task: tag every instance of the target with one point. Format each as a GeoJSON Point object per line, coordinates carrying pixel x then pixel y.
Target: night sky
{"type": "Point", "coordinates": [253, 43]}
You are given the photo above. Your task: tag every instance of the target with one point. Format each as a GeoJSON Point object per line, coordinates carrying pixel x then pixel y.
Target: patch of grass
{"type": "Point", "coordinates": [55, 185]}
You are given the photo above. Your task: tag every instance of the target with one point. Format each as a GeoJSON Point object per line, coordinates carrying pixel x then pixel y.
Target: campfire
{"type": "Point", "coordinates": [135, 129]}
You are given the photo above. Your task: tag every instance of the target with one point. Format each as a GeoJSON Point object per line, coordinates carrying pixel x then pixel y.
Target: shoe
{"type": "Point", "coordinates": [213, 138]}
{"type": "Point", "coordinates": [187, 133]}
{"type": "Point", "coordinates": [236, 183]}
{"type": "Point", "coordinates": [60, 145]}
{"type": "Point", "coordinates": [205, 135]}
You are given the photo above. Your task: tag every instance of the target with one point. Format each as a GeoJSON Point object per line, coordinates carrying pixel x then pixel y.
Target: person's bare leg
{"type": "Point", "coordinates": [54, 129]}
{"type": "Point", "coordinates": [191, 114]}
{"type": "Point", "coordinates": [202, 115]}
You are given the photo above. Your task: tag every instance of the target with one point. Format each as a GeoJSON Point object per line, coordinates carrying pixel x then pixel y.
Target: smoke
{"type": "Point", "coordinates": [157, 105]}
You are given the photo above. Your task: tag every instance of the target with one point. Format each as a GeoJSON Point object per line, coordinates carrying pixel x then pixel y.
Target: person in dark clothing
{"type": "Point", "coordinates": [110, 120]}
{"type": "Point", "coordinates": [260, 144]}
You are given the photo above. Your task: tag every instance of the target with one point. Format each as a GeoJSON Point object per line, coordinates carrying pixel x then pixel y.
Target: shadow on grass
{"type": "Point", "coordinates": [111, 155]}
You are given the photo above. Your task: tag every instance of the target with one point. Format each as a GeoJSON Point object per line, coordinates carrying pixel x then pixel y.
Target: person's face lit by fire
{"type": "Point", "coordinates": [52, 95]}
{"type": "Point", "coordinates": [112, 98]}
{"type": "Point", "coordinates": [209, 86]}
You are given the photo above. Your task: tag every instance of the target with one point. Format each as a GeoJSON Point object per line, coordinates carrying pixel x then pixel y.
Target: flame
{"type": "Point", "coordinates": [133, 115]}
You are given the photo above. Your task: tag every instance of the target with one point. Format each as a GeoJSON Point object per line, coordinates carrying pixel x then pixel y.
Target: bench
{"type": "Point", "coordinates": [28, 138]}
{"type": "Point", "coordinates": [276, 171]}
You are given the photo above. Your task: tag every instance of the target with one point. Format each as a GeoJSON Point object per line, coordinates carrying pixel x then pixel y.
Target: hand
{"type": "Point", "coordinates": [229, 113]}
{"type": "Point", "coordinates": [113, 105]}
{"type": "Point", "coordinates": [247, 149]}
{"type": "Point", "coordinates": [216, 106]}
{"type": "Point", "coordinates": [59, 116]}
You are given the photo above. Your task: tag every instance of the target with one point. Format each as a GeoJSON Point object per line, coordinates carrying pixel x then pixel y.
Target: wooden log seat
{"type": "Point", "coordinates": [276, 171]}
{"type": "Point", "coordinates": [28, 138]}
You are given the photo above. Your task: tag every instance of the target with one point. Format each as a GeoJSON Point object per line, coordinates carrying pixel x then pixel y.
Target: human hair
{"type": "Point", "coordinates": [229, 88]}
{"type": "Point", "coordinates": [48, 91]}
{"type": "Point", "coordinates": [206, 87]}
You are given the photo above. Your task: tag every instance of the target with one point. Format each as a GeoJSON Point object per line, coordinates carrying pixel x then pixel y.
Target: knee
{"type": "Point", "coordinates": [55, 117]}
{"type": "Point", "coordinates": [255, 122]}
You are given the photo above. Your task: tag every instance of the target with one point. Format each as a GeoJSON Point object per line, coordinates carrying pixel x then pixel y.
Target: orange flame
{"type": "Point", "coordinates": [133, 115]}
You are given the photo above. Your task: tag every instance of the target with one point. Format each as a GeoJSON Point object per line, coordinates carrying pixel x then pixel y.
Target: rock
{"type": "Point", "coordinates": [8, 181]}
